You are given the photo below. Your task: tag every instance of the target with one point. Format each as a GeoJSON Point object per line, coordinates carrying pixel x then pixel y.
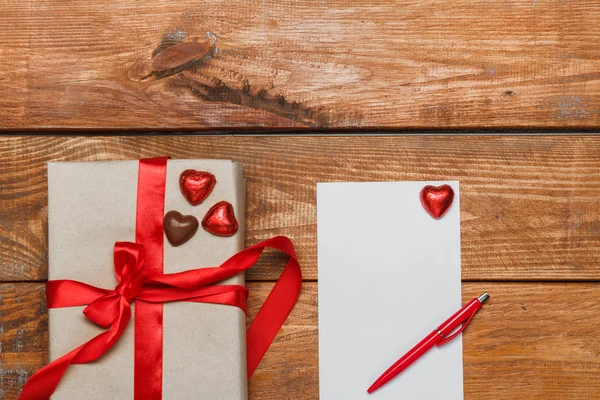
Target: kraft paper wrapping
{"type": "Point", "coordinates": [92, 205]}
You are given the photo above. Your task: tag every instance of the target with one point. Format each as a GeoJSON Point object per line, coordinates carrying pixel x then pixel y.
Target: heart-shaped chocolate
{"type": "Point", "coordinates": [179, 228]}
{"type": "Point", "coordinates": [436, 200]}
{"type": "Point", "coordinates": [196, 185]}
{"type": "Point", "coordinates": [220, 220]}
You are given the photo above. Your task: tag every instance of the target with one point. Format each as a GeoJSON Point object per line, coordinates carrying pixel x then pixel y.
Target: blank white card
{"type": "Point", "coordinates": [389, 274]}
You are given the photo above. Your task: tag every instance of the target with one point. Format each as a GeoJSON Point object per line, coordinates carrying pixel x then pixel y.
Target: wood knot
{"type": "Point", "coordinates": [172, 60]}
{"type": "Point", "coordinates": [181, 54]}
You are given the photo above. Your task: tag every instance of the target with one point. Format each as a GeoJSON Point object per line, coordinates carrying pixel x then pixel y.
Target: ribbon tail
{"type": "Point", "coordinates": [42, 384]}
{"type": "Point", "coordinates": [277, 306]}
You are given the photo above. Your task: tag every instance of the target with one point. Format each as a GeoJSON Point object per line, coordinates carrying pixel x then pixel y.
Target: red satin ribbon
{"type": "Point", "coordinates": [111, 310]}
{"type": "Point", "coordinates": [148, 342]}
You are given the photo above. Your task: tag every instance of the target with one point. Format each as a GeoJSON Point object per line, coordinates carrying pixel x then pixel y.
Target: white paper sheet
{"type": "Point", "coordinates": [389, 274]}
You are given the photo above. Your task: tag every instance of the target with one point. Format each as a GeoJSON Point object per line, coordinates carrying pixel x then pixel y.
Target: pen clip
{"type": "Point", "coordinates": [458, 332]}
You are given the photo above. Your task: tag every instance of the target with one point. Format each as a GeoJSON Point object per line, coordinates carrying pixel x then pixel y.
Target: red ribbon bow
{"type": "Point", "coordinates": [114, 305]}
{"type": "Point", "coordinates": [111, 309]}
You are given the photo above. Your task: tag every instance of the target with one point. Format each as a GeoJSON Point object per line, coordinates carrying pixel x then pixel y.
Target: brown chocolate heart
{"type": "Point", "coordinates": [179, 228]}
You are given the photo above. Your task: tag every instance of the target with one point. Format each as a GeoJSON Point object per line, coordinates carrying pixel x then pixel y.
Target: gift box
{"type": "Point", "coordinates": [142, 304]}
{"type": "Point", "coordinates": [92, 205]}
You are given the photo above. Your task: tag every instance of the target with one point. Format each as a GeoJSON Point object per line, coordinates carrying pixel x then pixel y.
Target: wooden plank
{"type": "Point", "coordinates": [298, 64]}
{"type": "Point", "coordinates": [23, 335]}
{"type": "Point", "coordinates": [531, 341]}
{"type": "Point", "coordinates": [529, 205]}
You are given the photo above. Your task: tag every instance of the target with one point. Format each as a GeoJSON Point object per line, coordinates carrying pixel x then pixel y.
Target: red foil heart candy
{"type": "Point", "coordinates": [196, 185]}
{"type": "Point", "coordinates": [436, 200]}
{"type": "Point", "coordinates": [220, 220]}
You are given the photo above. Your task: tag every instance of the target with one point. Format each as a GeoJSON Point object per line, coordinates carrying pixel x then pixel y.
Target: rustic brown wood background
{"type": "Point", "coordinates": [530, 236]}
{"type": "Point", "coordinates": [295, 64]}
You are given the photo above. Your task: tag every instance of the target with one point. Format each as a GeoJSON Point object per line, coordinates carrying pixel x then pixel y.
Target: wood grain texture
{"type": "Point", "coordinates": [298, 64]}
{"type": "Point", "coordinates": [530, 206]}
{"type": "Point", "coordinates": [23, 335]}
{"type": "Point", "coordinates": [531, 341]}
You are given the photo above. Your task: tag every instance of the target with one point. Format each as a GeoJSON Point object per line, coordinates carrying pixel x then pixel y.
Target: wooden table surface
{"type": "Point", "coordinates": [391, 64]}
{"type": "Point", "coordinates": [530, 236]}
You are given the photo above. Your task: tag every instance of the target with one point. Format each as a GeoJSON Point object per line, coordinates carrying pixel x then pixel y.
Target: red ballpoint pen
{"type": "Point", "coordinates": [436, 338]}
